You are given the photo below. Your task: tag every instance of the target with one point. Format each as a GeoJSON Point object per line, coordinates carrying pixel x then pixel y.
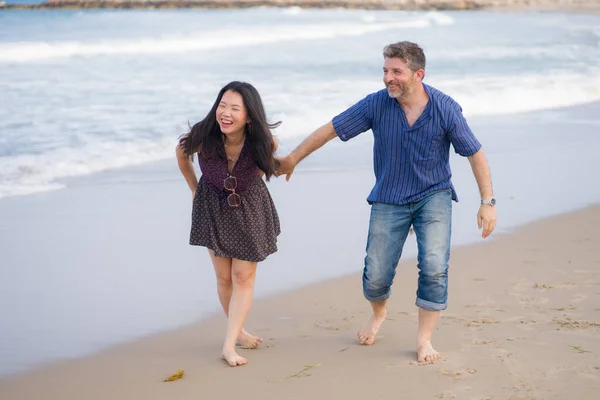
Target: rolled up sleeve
{"type": "Point", "coordinates": [354, 121]}
{"type": "Point", "coordinates": [461, 136]}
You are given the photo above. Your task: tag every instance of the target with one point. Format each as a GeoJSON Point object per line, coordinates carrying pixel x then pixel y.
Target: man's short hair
{"type": "Point", "coordinates": [411, 53]}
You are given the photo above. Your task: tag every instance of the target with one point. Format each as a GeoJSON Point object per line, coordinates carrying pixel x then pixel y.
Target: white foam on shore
{"type": "Point", "coordinates": [558, 52]}
{"type": "Point", "coordinates": [300, 112]}
{"type": "Point", "coordinates": [492, 95]}
{"type": "Point", "coordinates": [23, 52]}
{"type": "Point", "coordinates": [28, 173]}
{"type": "Point", "coordinates": [439, 18]}
{"type": "Point", "coordinates": [292, 10]}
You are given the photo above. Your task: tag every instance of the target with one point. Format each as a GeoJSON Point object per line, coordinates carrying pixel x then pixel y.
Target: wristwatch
{"type": "Point", "coordinates": [489, 202]}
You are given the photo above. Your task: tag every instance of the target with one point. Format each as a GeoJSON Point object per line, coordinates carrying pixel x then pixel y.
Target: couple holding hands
{"type": "Point", "coordinates": [413, 125]}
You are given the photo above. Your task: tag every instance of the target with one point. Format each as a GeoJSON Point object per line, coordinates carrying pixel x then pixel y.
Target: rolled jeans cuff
{"type": "Point", "coordinates": [430, 306]}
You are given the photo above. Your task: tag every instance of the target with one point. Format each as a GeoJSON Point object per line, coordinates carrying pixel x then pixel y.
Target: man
{"type": "Point", "coordinates": [413, 126]}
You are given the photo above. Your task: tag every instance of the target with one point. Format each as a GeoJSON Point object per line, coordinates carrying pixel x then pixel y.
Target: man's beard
{"type": "Point", "coordinates": [402, 92]}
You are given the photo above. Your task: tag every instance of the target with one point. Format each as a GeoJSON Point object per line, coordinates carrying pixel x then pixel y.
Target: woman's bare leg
{"type": "Point", "coordinates": [243, 274]}
{"type": "Point", "coordinates": [222, 267]}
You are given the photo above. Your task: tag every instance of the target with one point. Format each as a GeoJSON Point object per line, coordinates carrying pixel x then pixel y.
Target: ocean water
{"type": "Point", "coordinates": [110, 91]}
{"type": "Point", "coordinates": [89, 91]}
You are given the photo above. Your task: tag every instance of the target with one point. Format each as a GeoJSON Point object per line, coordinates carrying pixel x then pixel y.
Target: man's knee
{"type": "Point", "coordinates": [434, 266]}
{"type": "Point", "coordinates": [377, 279]}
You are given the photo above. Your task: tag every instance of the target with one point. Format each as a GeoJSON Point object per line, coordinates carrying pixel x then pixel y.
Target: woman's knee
{"type": "Point", "coordinates": [243, 276]}
{"type": "Point", "coordinates": [224, 280]}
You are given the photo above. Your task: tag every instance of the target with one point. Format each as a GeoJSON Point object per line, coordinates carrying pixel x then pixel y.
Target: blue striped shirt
{"type": "Point", "coordinates": [409, 162]}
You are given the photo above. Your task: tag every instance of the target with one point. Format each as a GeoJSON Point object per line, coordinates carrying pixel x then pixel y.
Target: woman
{"type": "Point", "coordinates": [233, 213]}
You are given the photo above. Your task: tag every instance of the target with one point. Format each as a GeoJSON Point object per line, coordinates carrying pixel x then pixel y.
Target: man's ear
{"type": "Point", "coordinates": [420, 74]}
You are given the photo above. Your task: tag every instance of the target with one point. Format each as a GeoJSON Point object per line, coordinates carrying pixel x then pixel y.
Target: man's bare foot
{"type": "Point", "coordinates": [426, 353]}
{"type": "Point", "coordinates": [248, 341]}
{"type": "Point", "coordinates": [232, 358]}
{"type": "Point", "coordinates": [366, 335]}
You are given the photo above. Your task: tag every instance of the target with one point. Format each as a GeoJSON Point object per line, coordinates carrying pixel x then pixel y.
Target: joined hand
{"type": "Point", "coordinates": [286, 167]}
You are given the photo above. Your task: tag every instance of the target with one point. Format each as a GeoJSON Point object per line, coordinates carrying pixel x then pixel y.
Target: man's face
{"type": "Point", "coordinates": [398, 78]}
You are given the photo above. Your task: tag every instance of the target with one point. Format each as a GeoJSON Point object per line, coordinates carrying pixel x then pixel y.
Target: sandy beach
{"type": "Point", "coordinates": [523, 323]}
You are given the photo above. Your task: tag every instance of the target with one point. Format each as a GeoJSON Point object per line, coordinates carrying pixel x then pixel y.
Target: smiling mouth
{"type": "Point", "coordinates": [226, 123]}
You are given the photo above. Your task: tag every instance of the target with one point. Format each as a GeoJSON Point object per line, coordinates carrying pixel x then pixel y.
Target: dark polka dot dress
{"type": "Point", "coordinates": [247, 232]}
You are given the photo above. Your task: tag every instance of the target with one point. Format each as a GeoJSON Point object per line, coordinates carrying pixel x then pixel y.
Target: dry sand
{"type": "Point", "coordinates": [523, 323]}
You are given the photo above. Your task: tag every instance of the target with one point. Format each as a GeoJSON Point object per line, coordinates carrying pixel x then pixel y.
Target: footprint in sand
{"type": "Point", "coordinates": [578, 298]}
{"type": "Point", "coordinates": [511, 339]}
{"type": "Point", "coordinates": [457, 375]}
{"type": "Point", "coordinates": [519, 375]}
{"type": "Point", "coordinates": [589, 370]}
{"type": "Point", "coordinates": [568, 284]}
{"type": "Point", "coordinates": [570, 308]}
{"type": "Point", "coordinates": [450, 320]}
{"type": "Point", "coordinates": [527, 321]}
{"type": "Point", "coordinates": [479, 342]}
{"type": "Point", "coordinates": [304, 372]}
{"type": "Point", "coordinates": [330, 326]}
{"type": "Point", "coordinates": [449, 317]}
{"type": "Point", "coordinates": [423, 364]}
{"type": "Point", "coordinates": [568, 323]}
{"type": "Point", "coordinates": [501, 358]}
{"type": "Point", "coordinates": [473, 323]}
{"type": "Point", "coordinates": [542, 286]}
{"type": "Point", "coordinates": [522, 299]}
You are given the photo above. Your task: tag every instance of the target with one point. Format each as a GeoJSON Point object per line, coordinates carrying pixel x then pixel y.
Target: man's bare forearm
{"type": "Point", "coordinates": [482, 174]}
{"type": "Point", "coordinates": [313, 142]}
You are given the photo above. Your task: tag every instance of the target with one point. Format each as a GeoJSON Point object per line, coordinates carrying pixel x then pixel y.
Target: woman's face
{"type": "Point", "coordinates": [231, 113]}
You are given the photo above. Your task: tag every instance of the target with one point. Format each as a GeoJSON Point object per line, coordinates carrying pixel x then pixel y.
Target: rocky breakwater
{"type": "Point", "coordinates": [356, 4]}
{"type": "Point", "coordinates": [351, 4]}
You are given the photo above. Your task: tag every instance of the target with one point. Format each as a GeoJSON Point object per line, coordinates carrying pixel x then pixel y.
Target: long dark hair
{"type": "Point", "coordinates": [206, 136]}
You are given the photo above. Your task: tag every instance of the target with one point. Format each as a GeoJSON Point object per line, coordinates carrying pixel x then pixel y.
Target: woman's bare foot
{"type": "Point", "coordinates": [366, 335]}
{"type": "Point", "coordinates": [426, 353]}
{"type": "Point", "coordinates": [232, 358]}
{"type": "Point", "coordinates": [248, 341]}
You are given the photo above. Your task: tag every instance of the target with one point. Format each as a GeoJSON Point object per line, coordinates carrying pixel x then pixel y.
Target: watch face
{"type": "Point", "coordinates": [492, 201]}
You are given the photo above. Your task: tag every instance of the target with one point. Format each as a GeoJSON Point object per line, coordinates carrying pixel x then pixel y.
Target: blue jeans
{"type": "Point", "coordinates": [431, 218]}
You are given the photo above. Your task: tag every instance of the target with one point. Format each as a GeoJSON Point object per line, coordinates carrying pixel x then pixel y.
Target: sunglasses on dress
{"type": "Point", "coordinates": [234, 199]}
